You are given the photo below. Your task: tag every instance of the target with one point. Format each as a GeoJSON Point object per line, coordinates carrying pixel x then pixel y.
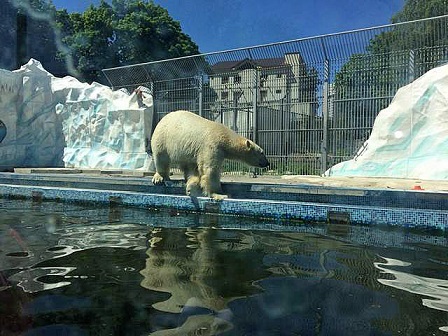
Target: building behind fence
{"type": "Point", "coordinates": [310, 103]}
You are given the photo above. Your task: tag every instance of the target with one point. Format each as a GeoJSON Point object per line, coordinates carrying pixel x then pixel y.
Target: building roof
{"type": "Point", "coordinates": [229, 66]}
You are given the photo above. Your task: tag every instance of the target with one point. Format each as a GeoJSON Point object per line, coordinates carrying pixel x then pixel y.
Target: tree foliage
{"type": "Point", "coordinates": [122, 33]}
{"type": "Point", "coordinates": [420, 9]}
{"type": "Point", "coordinates": [391, 59]}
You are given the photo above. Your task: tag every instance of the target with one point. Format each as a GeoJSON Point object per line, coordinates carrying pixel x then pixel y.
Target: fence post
{"type": "Point", "coordinates": [411, 75]}
{"type": "Point", "coordinates": [154, 102]}
{"type": "Point", "coordinates": [324, 149]}
{"type": "Point", "coordinates": [200, 93]}
{"type": "Point", "coordinates": [255, 105]}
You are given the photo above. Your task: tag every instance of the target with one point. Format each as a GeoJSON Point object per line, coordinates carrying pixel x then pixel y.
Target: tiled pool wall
{"type": "Point", "coordinates": [367, 235]}
{"type": "Point", "coordinates": [356, 212]}
{"type": "Point", "coordinates": [380, 198]}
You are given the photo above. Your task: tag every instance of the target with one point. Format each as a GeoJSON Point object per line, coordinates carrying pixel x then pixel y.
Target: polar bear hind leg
{"type": "Point", "coordinates": [162, 163]}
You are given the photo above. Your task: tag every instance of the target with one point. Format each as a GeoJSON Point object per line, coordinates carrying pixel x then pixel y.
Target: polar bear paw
{"type": "Point", "coordinates": [157, 179]}
{"type": "Point", "coordinates": [218, 197]}
{"type": "Point", "coordinates": [193, 187]}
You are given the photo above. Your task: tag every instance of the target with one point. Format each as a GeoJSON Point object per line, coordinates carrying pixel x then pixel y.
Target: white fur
{"type": "Point", "coordinates": [199, 146]}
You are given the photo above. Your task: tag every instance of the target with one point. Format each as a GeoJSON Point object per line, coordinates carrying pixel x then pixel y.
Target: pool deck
{"type": "Point", "coordinates": [349, 200]}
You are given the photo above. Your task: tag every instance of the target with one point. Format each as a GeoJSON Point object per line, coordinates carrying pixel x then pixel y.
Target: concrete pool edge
{"type": "Point", "coordinates": [273, 209]}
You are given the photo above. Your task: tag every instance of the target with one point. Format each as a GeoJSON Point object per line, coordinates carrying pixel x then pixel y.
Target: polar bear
{"type": "Point", "coordinates": [199, 146]}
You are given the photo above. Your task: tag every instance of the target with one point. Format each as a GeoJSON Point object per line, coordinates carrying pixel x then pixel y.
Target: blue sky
{"type": "Point", "coordinates": [228, 24]}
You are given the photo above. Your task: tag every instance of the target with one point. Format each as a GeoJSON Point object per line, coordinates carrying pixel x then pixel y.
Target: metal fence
{"type": "Point", "coordinates": [310, 103]}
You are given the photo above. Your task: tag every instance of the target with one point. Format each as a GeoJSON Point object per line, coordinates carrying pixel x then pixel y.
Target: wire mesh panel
{"type": "Point", "coordinates": [310, 103]}
{"type": "Point", "coordinates": [176, 94]}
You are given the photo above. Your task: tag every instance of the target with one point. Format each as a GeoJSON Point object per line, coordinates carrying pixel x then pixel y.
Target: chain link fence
{"type": "Point", "coordinates": [310, 103]}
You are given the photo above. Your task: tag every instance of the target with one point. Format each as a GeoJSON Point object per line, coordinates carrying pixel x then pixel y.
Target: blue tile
{"type": "Point", "coordinates": [277, 209]}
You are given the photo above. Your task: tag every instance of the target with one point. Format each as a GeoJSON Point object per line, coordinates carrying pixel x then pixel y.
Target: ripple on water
{"type": "Point", "coordinates": [40, 279]}
{"type": "Point", "coordinates": [434, 291]}
{"type": "Point", "coordinates": [56, 248]}
{"type": "Point", "coordinates": [19, 254]}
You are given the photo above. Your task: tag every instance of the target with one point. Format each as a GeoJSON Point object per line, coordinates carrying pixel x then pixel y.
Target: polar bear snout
{"type": "Point", "coordinates": [263, 163]}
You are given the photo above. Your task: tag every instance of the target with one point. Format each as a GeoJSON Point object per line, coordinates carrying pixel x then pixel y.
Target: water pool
{"type": "Point", "coordinates": [70, 269]}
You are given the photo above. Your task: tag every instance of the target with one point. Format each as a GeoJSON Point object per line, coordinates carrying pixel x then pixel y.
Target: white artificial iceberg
{"type": "Point", "coordinates": [410, 137]}
{"type": "Point", "coordinates": [60, 122]}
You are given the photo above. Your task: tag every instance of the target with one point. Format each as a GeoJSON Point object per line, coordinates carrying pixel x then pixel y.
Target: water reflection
{"type": "Point", "coordinates": [257, 283]}
{"type": "Point", "coordinates": [436, 289]}
{"type": "Point", "coordinates": [41, 279]}
{"type": "Point", "coordinates": [78, 270]}
{"type": "Point", "coordinates": [202, 269]}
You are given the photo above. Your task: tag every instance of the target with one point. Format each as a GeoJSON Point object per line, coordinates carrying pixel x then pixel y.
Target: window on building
{"type": "Point", "coordinates": [237, 79]}
{"type": "Point", "coordinates": [224, 95]}
{"type": "Point", "coordinates": [278, 91]}
{"type": "Point", "coordinates": [263, 95]}
{"type": "Point", "coordinates": [279, 75]}
{"type": "Point", "coordinates": [224, 79]}
{"type": "Point", "coordinates": [237, 95]}
{"type": "Point", "coordinates": [263, 79]}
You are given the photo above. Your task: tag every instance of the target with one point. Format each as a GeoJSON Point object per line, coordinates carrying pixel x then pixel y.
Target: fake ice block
{"type": "Point", "coordinates": [410, 137]}
{"type": "Point", "coordinates": [47, 121]}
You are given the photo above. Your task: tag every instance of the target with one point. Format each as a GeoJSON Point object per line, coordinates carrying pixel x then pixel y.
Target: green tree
{"type": "Point", "coordinates": [362, 70]}
{"type": "Point", "coordinates": [367, 82]}
{"type": "Point", "coordinates": [420, 9]}
{"type": "Point", "coordinates": [125, 32]}
{"type": "Point", "coordinates": [87, 36]}
{"type": "Point", "coordinates": [146, 32]}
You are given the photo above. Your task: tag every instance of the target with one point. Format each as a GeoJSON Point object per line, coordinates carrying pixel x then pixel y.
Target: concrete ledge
{"type": "Point", "coordinates": [172, 196]}
{"type": "Point", "coordinates": [47, 171]}
{"type": "Point", "coordinates": [88, 171]}
{"type": "Point", "coordinates": [248, 188]}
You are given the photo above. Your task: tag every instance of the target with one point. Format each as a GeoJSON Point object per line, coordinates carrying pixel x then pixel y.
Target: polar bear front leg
{"type": "Point", "coordinates": [211, 184]}
{"type": "Point", "coordinates": [193, 186]}
{"type": "Point", "coordinates": [192, 180]}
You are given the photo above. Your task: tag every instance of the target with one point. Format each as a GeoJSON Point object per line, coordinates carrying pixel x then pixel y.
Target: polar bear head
{"type": "Point", "coordinates": [254, 155]}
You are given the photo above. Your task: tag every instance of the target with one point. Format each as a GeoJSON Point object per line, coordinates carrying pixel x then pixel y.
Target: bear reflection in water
{"type": "Point", "coordinates": [255, 283]}
{"type": "Point", "coordinates": [203, 270]}
{"type": "Point", "coordinates": [199, 147]}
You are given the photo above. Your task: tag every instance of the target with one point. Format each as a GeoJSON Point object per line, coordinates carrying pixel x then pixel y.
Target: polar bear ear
{"type": "Point", "coordinates": [248, 144]}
